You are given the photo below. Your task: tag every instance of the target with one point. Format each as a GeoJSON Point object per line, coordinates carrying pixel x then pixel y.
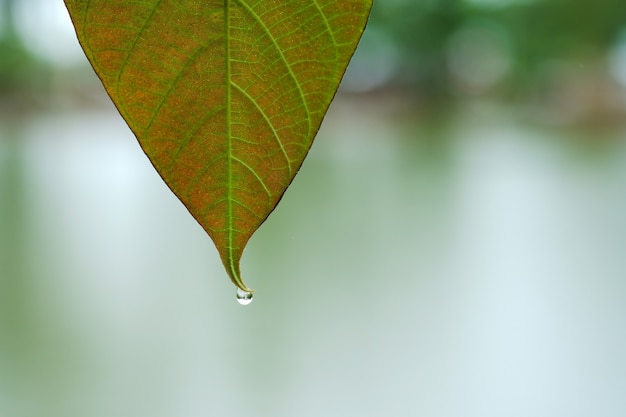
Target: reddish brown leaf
{"type": "Point", "coordinates": [224, 96]}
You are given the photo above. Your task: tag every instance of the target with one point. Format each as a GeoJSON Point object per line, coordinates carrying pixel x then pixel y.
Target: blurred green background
{"type": "Point", "coordinates": [455, 244]}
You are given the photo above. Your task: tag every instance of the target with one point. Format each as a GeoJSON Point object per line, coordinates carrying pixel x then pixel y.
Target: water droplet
{"type": "Point", "coordinates": [244, 297]}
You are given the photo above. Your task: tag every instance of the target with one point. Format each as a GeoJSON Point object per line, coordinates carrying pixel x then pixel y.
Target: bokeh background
{"type": "Point", "coordinates": [455, 244]}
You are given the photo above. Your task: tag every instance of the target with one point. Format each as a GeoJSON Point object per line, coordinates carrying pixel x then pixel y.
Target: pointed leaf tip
{"type": "Point", "coordinates": [224, 96]}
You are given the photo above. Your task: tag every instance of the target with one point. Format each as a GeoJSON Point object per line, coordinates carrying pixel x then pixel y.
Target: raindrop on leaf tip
{"type": "Point", "coordinates": [244, 297]}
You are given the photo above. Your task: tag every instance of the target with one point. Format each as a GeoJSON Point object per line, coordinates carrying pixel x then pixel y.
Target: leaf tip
{"type": "Point", "coordinates": [235, 277]}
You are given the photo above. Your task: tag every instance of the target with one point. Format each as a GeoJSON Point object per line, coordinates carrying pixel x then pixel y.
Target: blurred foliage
{"type": "Point", "coordinates": [23, 76]}
{"type": "Point", "coordinates": [552, 52]}
{"type": "Point", "coordinates": [537, 31]}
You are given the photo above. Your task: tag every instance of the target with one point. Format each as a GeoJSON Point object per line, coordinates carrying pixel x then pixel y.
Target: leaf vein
{"type": "Point", "coordinates": [269, 123]}
{"type": "Point", "coordinates": [252, 13]}
{"type": "Point", "coordinates": [253, 172]}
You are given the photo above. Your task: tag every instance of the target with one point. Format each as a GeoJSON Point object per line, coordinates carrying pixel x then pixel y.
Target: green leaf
{"type": "Point", "coordinates": [224, 96]}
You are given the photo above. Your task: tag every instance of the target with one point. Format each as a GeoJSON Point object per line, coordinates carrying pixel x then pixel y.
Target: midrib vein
{"type": "Point", "coordinates": [229, 138]}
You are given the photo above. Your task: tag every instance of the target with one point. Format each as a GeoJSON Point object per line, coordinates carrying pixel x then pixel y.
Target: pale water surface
{"type": "Point", "coordinates": [473, 270]}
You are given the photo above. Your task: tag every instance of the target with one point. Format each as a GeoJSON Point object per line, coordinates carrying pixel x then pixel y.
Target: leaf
{"type": "Point", "coordinates": [224, 96]}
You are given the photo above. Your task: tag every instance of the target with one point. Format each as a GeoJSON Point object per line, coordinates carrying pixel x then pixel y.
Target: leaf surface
{"type": "Point", "coordinates": [224, 96]}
